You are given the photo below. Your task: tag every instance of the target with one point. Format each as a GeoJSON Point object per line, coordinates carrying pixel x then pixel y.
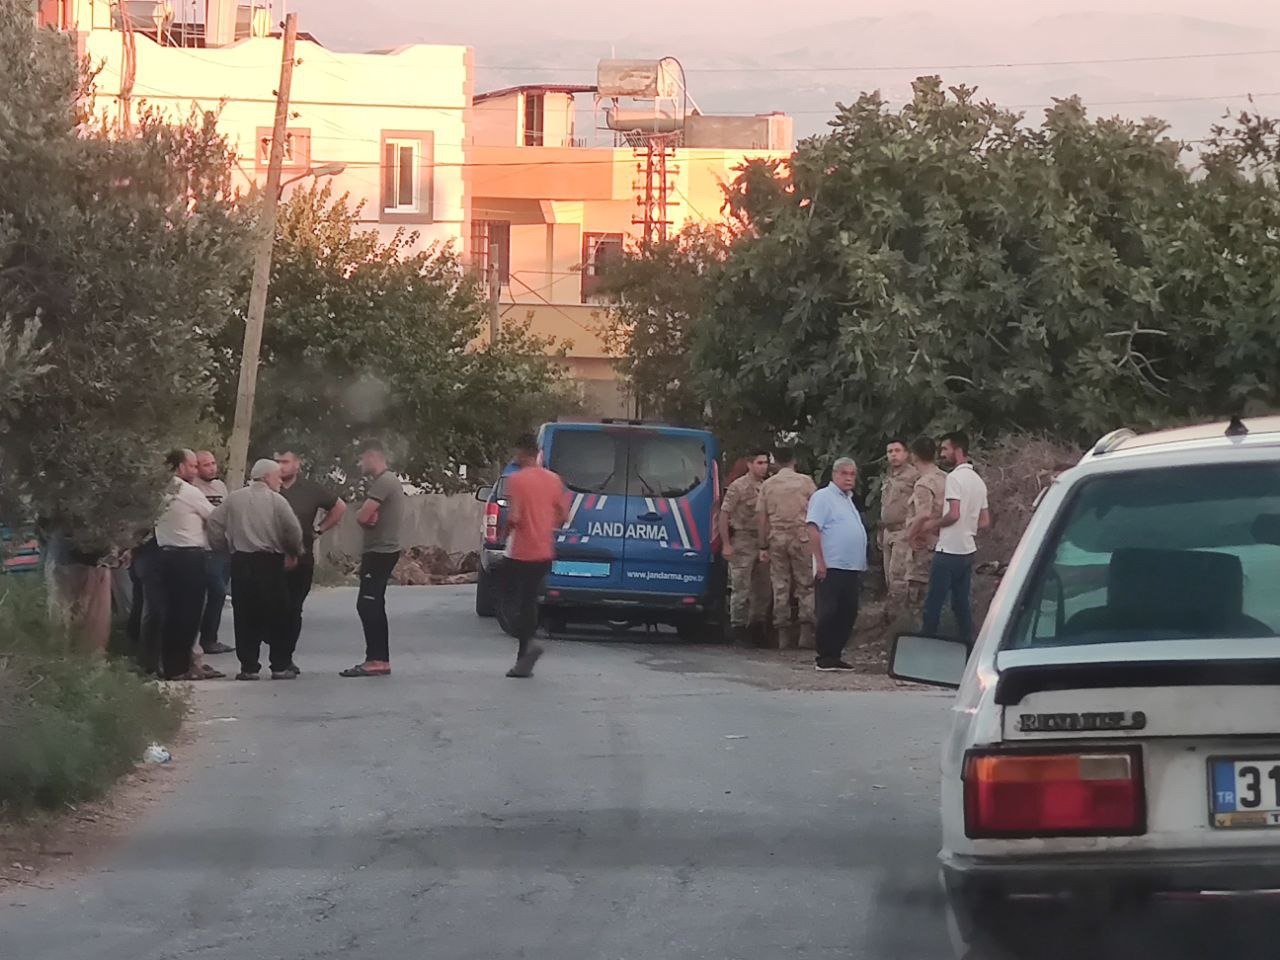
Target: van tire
{"type": "Point", "coordinates": [486, 603]}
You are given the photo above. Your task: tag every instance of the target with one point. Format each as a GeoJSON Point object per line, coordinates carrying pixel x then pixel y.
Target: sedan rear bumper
{"type": "Point", "coordinates": [1175, 872]}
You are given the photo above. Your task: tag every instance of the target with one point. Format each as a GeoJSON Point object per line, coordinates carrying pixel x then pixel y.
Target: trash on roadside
{"type": "Point", "coordinates": [156, 754]}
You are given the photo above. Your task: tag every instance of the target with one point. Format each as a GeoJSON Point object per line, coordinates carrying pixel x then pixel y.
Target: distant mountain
{"type": "Point", "coordinates": [726, 68]}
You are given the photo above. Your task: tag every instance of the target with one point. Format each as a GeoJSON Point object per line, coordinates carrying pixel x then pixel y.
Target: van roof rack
{"type": "Point", "coordinates": [1112, 441]}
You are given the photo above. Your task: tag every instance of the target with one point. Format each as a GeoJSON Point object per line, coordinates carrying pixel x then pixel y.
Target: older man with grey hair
{"type": "Point", "coordinates": [256, 525]}
{"type": "Point", "coordinates": [838, 539]}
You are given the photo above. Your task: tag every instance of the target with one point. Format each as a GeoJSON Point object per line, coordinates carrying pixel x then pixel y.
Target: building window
{"type": "Point", "coordinates": [599, 250]}
{"type": "Point", "coordinates": [297, 149]}
{"type": "Point", "coordinates": [407, 159]}
{"type": "Point", "coordinates": [400, 161]}
{"type": "Point", "coordinates": [534, 122]}
{"type": "Point", "coordinates": [486, 234]}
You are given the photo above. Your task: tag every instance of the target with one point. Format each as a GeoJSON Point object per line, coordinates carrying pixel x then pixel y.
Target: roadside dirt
{"type": "Point", "coordinates": [52, 847]}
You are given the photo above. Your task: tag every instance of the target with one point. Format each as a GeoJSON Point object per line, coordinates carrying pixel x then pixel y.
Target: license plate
{"type": "Point", "coordinates": [579, 568]}
{"type": "Point", "coordinates": [1244, 792]}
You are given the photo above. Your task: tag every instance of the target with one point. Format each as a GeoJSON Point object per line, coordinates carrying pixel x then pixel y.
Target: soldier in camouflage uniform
{"type": "Point", "coordinates": [928, 498]}
{"type": "Point", "coordinates": [895, 496]}
{"type": "Point", "coordinates": [784, 540]}
{"type": "Point", "coordinates": [739, 533]}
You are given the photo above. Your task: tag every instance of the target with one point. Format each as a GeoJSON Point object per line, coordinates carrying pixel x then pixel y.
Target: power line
{"type": "Point", "coordinates": [1005, 64]}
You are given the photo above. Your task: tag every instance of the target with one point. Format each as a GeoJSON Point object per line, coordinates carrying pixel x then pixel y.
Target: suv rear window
{"type": "Point", "coordinates": [1189, 553]}
{"type": "Point", "coordinates": [666, 466]}
{"type": "Point", "coordinates": [590, 461]}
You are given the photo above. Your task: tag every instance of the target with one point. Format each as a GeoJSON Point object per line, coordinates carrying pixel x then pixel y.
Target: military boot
{"type": "Point", "coordinates": [806, 637]}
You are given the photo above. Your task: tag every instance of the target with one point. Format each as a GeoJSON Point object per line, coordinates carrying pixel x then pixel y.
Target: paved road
{"type": "Point", "coordinates": [615, 807]}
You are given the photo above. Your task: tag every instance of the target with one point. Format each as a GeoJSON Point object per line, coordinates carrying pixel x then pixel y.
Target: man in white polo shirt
{"type": "Point", "coordinates": [181, 537]}
{"type": "Point", "coordinates": [964, 514]}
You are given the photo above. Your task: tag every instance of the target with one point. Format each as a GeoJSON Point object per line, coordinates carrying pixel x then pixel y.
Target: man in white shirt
{"type": "Point", "coordinates": [964, 514]}
{"type": "Point", "coordinates": [181, 537]}
{"type": "Point", "coordinates": [217, 564]}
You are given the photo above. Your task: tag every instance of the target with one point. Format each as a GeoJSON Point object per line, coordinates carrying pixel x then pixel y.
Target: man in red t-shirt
{"type": "Point", "coordinates": [537, 509]}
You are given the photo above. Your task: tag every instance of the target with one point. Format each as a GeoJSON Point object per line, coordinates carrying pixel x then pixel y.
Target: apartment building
{"type": "Point", "coordinates": [393, 121]}
{"type": "Point", "coordinates": [563, 177]}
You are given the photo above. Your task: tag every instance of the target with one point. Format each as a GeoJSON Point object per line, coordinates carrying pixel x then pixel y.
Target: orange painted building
{"type": "Point", "coordinates": [552, 206]}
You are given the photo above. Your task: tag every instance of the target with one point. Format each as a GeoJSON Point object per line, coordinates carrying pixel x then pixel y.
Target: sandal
{"type": "Point", "coordinates": [367, 670]}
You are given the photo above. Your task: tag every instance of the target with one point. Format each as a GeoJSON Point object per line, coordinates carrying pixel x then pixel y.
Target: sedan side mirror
{"type": "Point", "coordinates": [937, 661]}
{"type": "Point", "coordinates": [484, 493]}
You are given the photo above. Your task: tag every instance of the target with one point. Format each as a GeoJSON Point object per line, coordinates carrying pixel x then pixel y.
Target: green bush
{"type": "Point", "coordinates": [71, 724]}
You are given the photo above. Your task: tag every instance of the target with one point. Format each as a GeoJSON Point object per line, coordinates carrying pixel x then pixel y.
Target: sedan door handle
{"type": "Point", "coordinates": [649, 517]}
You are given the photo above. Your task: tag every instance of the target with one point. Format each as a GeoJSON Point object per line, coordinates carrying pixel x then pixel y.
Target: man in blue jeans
{"type": "Point", "coordinates": [964, 514]}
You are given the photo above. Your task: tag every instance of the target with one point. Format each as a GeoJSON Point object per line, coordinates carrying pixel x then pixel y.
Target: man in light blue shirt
{"type": "Point", "coordinates": [839, 543]}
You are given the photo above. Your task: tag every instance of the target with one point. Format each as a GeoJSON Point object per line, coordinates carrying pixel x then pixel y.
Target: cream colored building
{"type": "Point", "coordinates": [554, 206]}
{"type": "Point", "coordinates": [396, 119]}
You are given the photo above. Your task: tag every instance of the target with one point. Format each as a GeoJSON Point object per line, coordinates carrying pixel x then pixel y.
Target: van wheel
{"type": "Point", "coordinates": [485, 603]}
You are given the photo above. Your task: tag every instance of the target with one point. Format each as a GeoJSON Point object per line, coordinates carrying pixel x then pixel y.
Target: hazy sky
{"type": "Point", "coordinates": [732, 48]}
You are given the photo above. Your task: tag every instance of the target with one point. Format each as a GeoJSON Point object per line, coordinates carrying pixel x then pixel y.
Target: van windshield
{"type": "Point", "coordinates": [666, 466]}
{"type": "Point", "coordinates": [1186, 553]}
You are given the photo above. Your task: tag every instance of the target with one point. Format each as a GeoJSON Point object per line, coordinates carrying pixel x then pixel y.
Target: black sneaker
{"type": "Point", "coordinates": [246, 675]}
{"type": "Point", "coordinates": [832, 665]}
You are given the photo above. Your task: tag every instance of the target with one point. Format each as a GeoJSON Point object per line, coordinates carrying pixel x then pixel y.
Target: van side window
{"type": "Point", "coordinates": [590, 461]}
{"type": "Point", "coordinates": [666, 466]}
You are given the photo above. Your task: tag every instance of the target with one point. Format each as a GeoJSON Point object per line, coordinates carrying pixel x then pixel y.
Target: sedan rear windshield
{"type": "Point", "coordinates": [1187, 553]}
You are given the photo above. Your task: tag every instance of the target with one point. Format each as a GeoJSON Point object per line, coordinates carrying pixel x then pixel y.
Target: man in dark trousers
{"type": "Point", "coordinates": [381, 515]}
{"type": "Point", "coordinates": [217, 565]}
{"type": "Point", "coordinates": [537, 510]}
{"type": "Point", "coordinates": [257, 527]}
{"type": "Point", "coordinates": [308, 500]}
{"type": "Point", "coordinates": [838, 539]}
{"type": "Point", "coordinates": [182, 543]}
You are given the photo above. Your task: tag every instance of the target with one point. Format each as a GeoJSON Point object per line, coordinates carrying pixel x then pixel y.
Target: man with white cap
{"type": "Point", "coordinates": [256, 525]}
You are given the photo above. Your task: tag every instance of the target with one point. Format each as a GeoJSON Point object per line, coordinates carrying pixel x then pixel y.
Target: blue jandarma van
{"type": "Point", "coordinates": [640, 545]}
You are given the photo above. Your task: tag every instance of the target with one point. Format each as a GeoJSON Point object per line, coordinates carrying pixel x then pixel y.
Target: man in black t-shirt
{"type": "Point", "coordinates": [308, 499]}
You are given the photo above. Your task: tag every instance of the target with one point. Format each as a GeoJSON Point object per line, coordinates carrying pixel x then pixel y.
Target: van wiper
{"type": "Point", "coordinates": [604, 483]}
{"type": "Point", "coordinates": [652, 491]}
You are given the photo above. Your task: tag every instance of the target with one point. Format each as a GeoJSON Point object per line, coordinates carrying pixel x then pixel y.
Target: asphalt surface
{"type": "Point", "coordinates": [616, 806]}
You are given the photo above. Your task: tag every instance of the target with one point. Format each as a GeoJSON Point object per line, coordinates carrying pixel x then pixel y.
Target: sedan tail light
{"type": "Point", "coordinates": [1053, 794]}
{"type": "Point", "coordinates": [491, 522]}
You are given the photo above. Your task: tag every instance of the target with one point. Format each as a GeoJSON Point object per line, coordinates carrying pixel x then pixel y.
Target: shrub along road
{"type": "Point", "coordinates": [616, 805]}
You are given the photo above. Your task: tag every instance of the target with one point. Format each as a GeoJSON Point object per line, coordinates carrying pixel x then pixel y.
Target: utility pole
{"type": "Point", "coordinates": [248, 386]}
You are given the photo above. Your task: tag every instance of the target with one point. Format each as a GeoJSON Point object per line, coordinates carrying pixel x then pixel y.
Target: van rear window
{"type": "Point", "coordinates": [590, 461]}
{"type": "Point", "coordinates": [1176, 554]}
{"type": "Point", "coordinates": [666, 466]}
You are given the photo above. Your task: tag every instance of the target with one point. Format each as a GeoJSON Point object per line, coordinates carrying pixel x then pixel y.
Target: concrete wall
{"type": "Point", "coordinates": [452, 523]}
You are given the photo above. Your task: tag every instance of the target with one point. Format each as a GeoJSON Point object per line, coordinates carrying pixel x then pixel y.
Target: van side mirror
{"type": "Point", "coordinates": [484, 493]}
{"type": "Point", "coordinates": [937, 661]}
